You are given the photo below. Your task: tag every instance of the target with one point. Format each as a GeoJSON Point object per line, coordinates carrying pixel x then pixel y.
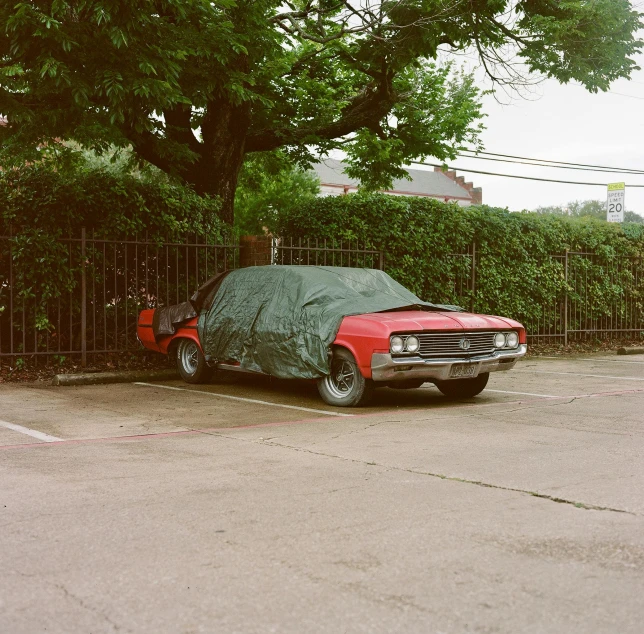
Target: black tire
{"type": "Point", "coordinates": [464, 388]}
{"type": "Point", "coordinates": [345, 386]}
{"type": "Point", "coordinates": [407, 384]}
{"type": "Point", "coordinates": [191, 363]}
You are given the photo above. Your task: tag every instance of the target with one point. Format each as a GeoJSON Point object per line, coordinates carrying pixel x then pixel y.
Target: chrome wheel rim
{"type": "Point", "coordinates": [190, 357]}
{"type": "Point", "coordinates": [342, 378]}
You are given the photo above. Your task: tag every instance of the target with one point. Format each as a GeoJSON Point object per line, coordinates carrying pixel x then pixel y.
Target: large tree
{"type": "Point", "coordinates": [193, 86]}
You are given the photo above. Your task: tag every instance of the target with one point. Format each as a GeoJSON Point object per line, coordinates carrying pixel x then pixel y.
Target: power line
{"type": "Point", "coordinates": [611, 92]}
{"type": "Point", "coordinates": [561, 167]}
{"type": "Point", "coordinates": [525, 158]}
{"type": "Point", "coordinates": [527, 178]}
{"type": "Point", "coordinates": [621, 94]}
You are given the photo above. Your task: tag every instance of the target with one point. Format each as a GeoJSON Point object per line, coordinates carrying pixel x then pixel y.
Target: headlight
{"type": "Point", "coordinates": [499, 340]}
{"type": "Point", "coordinates": [512, 340]}
{"type": "Point", "coordinates": [412, 344]}
{"type": "Point", "coordinates": [396, 344]}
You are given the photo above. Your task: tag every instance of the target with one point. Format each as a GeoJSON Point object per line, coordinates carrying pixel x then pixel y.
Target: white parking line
{"type": "Point", "coordinates": [245, 400]}
{"type": "Point", "coordinates": [594, 360]}
{"type": "Point", "coordinates": [611, 361]}
{"type": "Point", "coordinates": [594, 376]}
{"type": "Point", "coordinates": [29, 432]}
{"type": "Point", "coordinates": [523, 393]}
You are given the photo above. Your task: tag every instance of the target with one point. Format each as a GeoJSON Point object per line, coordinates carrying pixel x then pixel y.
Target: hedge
{"type": "Point", "coordinates": [516, 274]}
{"type": "Point", "coordinates": [40, 204]}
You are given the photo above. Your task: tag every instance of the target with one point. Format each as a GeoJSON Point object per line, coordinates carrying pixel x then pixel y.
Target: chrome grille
{"type": "Point", "coordinates": [447, 344]}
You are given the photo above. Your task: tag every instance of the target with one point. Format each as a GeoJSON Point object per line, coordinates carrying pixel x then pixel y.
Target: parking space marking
{"type": "Point", "coordinates": [523, 393]}
{"type": "Point", "coordinates": [593, 360]}
{"type": "Point", "coordinates": [593, 376]}
{"type": "Point", "coordinates": [611, 361]}
{"type": "Point", "coordinates": [244, 400]}
{"type": "Point", "coordinates": [29, 432]}
{"type": "Point", "coordinates": [213, 431]}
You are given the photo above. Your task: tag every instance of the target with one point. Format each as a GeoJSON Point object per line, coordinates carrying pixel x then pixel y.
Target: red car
{"type": "Point", "coordinates": [350, 329]}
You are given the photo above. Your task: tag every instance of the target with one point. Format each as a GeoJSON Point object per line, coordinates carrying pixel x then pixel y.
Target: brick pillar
{"type": "Point", "coordinates": [477, 195]}
{"type": "Point", "coordinates": [255, 251]}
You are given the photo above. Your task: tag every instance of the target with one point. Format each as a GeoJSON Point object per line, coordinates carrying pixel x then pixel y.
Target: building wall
{"type": "Point", "coordinates": [339, 190]}
{"type": "Point", "coordinates": [439, 184]}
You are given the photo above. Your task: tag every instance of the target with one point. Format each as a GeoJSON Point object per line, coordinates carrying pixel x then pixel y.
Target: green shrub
{"type": "Point", "coordinates": [42, 204]}
{"type": "Point", "coordinates": [41, 198]}
{"type": "Point", "coordinates": [516, 273]}
{"type": "Point", "coordinates": [43, 207]}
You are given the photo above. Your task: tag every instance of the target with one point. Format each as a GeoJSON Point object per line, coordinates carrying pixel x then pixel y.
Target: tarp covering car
{"type": "Point", "coordinates": [282, 320]}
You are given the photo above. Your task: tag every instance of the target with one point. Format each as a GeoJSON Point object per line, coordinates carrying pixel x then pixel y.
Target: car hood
{"type": "Point", "coordinates": [412, 320]}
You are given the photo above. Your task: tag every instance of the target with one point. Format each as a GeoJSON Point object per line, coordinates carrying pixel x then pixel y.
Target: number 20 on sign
{"type": "Point", "coordinates": [615, 202]}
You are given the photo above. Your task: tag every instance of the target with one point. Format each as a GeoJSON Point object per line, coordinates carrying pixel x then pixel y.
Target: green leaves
{"type": "Point", "coordinates": [520, 256]}
{"type": "Point", "coordinates": [55, 197]}
{"type": "Point", "coordinates": [305, 77]}
{"type": "Point", "coordinates": [437, 117]}
{"type": "Point", "coordinates": [269, 182]}
{"type": "Point", "coordinates": [589, 42]}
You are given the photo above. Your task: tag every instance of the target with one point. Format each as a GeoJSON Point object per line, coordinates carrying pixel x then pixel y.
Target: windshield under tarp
{"type": "Point", "coordinates": [282, 320]}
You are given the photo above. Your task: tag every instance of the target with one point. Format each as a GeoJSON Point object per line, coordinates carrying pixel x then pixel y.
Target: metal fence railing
{"type": "Point", "coordinates": [84, 297]}
{"type": "Point", "coordinates": [325, 253]}
{"type": "Point", "coordinates": [85, 300]}
{"type": "Point", "coordinates": [605, 295]}
{"type": "Point", "coordinates": [573, 296]}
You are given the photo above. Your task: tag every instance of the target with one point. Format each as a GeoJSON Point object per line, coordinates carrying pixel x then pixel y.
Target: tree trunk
{"type": "Point", "coordinates": [224, 131]}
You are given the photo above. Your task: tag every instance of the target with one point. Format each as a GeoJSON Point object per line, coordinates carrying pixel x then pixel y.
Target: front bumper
{"type": "Point", "coordinates": [386, 368]}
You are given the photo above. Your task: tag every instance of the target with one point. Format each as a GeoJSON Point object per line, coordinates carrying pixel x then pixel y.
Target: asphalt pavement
{"type": "Point", "coordinates": [254, 507]}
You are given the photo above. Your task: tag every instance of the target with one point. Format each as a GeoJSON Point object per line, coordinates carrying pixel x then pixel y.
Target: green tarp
{"type": "Point", "coordinates": [281, 320]}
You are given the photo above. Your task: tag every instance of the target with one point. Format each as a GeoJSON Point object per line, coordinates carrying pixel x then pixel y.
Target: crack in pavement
{"type": "Point", "coordinates": [535, 406]}
{"type": "Point", "coordinates": [440, 476]}
{"type": "Point", "coordinates": [357, 431]}
{"type": "Point", "coordinates": [89, 608]}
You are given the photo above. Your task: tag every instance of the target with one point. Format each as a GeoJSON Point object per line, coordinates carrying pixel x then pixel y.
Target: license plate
{"type": "Point", "coordinates": [463, 370]}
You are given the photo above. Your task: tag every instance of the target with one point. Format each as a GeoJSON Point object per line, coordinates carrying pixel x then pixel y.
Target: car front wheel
{"type": "Point", "coordinates": [464, 388]}
{"type": "Point", "coordinates": [191, 363]}
{"type": "Point", "coordinates": [345, 386]}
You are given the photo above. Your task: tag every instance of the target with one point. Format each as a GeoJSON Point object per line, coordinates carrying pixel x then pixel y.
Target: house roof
{"type": "Point", "coordinates": [423, 182]}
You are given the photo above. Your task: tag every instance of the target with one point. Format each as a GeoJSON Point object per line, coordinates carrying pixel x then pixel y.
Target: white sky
{"type": "Point", "coordinates": [563, 123]}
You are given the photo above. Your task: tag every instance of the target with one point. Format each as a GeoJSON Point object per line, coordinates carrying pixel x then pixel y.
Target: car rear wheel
{"type": "Point", "coordinates": [191, 363]}
{"type": "Point", "coordinates": [345, 386]}
{"type": "Point", "coordinates": [464, 388]}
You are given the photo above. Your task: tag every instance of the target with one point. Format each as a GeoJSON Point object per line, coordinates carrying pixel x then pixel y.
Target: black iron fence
{"type": "Point", "coordinates": [325, 253]}
{"type": "Point", "coordinates": [85, 302]}
{"type": "Point", "coordinates": [578, 295]}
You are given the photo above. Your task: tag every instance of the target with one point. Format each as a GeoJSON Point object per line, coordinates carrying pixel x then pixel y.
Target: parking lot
{"type": "Point", "coordinates": [252, 506]}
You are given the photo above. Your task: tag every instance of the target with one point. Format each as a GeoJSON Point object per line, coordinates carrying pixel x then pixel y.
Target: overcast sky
{"type": "Point", "coordinates": [563, 123]}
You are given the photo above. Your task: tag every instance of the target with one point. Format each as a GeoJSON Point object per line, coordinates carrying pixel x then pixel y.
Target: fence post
{"type": "Point", "coordinates": [381, 260]}
{"type": "Point", "coordinates": [255, 251]}
{"type": "Point", "coordinates": [566, 300]}
{"type": "Point", "coordinates": [83, 300]}
{"type": "Point", "coordinates": [473, 277]}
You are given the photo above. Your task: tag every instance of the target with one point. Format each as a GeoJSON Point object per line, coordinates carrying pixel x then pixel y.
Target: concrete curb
{"type": "Point", "coordinates": [98, 378]}
{"type": "Point", "coordinates": [630, 351]}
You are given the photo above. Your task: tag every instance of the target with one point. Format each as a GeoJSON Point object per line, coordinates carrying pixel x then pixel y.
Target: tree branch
{"type": "Point", "coordinates": [365, 110]}
{"type": "Point", "coordinates": [146, 145]}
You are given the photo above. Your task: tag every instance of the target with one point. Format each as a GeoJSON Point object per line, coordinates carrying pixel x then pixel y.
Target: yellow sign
{"type": "Point", "coordinates": [615, 187]}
